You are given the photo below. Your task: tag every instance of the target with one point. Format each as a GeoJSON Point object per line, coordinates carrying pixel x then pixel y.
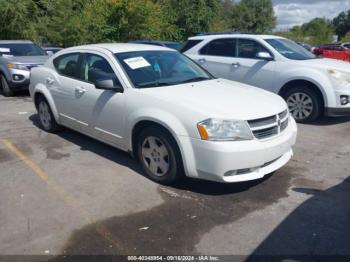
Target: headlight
{"type": "Point", "coordinates": [339, 76]}
{"type": "Point", "coordinates": [224, 130]}
{"type": "Point", "coordinates": [17, 66]}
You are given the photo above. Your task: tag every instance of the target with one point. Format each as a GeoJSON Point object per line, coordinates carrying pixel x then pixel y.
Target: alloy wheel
{"type": "Point", "coordinates": [155, 156]}
{"type": "Point", "coordinates": [300, 105]}
{"type": "Point", "coordinates": [44, 114]}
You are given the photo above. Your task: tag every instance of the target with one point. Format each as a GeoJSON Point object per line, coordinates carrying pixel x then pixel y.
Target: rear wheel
{"type": "Point", "coordinates": [6, 89]}
{"type": "Point", "coordinates": [159, 155]}
{"type": "Point", "coordinates": [304, 104]}
{"type": "Point", "coordinates": [46, 117]}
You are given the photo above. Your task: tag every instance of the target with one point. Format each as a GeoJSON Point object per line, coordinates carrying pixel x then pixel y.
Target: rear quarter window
{"type": "Point", "coordinates": [189, 44]}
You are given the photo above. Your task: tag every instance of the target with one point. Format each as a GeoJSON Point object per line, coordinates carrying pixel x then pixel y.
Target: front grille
{"type": "Point", "coordinates": [266, 127]}
{"type": "Point", "coordinates": [265, 133]}
{"type": "Point", "coordinates": [262, 121]}
{"type": "Point", "coordinates": [283, 114]}
{"type": "Point", "coordinates": [284, 125]}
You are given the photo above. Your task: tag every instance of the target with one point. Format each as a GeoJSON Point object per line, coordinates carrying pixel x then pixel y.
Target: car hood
{"type": "Point", "coordinates": [220, 98]}
{"type": "Point", "coordinates": [37, 60]}
{"type": "Point", "coordinates": [327, 63]}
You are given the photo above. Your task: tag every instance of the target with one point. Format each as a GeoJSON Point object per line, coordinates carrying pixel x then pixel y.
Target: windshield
{"type": "Point", "coordinates": [347, 46]}
{"type": "Point", "coordinates": [23, 49]}
{"type": "Point", "coordinates": [160, 68]}
{"type": "Point", "coordinates": [290, 49]}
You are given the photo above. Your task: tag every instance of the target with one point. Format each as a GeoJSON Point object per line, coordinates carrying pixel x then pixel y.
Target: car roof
{"type": "Point", "coordinates": [154, 41]}
{"type": "Point", "coordinates": [233, 35]}
{"type": "Point", "coordinates": [121, 47]}
{"type": "Point", "coordinates": [51, 48]}
{"type": "Point", "coordinates": [15, 41]}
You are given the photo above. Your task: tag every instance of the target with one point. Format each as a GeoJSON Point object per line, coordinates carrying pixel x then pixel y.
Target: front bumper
{"type": "Point", "coordinates": [337, 111]}
{"type": "Point", "coordinates": [18, 79]}
{"type": "Point", "coordinates": [337, 108]}
{"type": "Point", "coordinates": [239, 161]}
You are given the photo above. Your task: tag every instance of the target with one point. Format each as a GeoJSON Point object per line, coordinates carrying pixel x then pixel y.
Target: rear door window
{"type": "Point", "coordinates": [68, 65]}
{"type": "Point", "coordinates": [220, 47]}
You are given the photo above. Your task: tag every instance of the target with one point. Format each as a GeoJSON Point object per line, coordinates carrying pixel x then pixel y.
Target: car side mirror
{"type": "Point", "coordinates": [49, 53]}
{"type": "Point", "coordinates": [108, 84]}
{"type": "Point", "coordinates": [264, 56]}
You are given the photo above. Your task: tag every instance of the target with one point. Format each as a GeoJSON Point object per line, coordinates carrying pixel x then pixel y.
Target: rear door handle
{"type": "Point", "coordinates": [236, 65]}
{"type": "Point", "coordinates": [80, 90]}
{"type": "Point", "coordinates": [201, 60]}
{"type": "Point", "coordinates": [49, 81]}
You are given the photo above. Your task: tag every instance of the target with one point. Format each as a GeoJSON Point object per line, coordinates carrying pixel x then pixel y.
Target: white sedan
{"type": "Point", "coordinates": [165, 110]}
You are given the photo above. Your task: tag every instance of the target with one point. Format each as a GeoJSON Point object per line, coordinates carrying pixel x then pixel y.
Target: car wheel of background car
{"type": "Point", "coordinates": [47, 119]}
{"type": "Point", "coordinates": [304, 104]}
{"type": "Point", "coordinates": [5, 86]}
{"type": "Point", "coordinates": [159, 155]}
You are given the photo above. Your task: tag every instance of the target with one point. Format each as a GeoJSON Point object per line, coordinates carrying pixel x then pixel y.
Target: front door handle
{"type": "Point", "coordinates": [236, 65]}
{"type": "Point", "coordinates": [80, 90]}
{"type": "Point", "coordinates": [201, 60]}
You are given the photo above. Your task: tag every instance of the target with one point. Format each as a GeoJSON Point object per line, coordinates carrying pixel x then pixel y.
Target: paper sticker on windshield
{"type": "Point", "coordinates": [136, 62]}
{"type": "Point", "coordinates": [4, 50]}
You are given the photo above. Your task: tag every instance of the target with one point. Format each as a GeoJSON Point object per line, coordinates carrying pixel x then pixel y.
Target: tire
{"type": "Point", "coordinates": [304, 104]}
{"type": "Point", "coordinates": [159, 156]}
{"type": "Point", "coordinates": [47, 120]}
{"type": "Point", "coordinates": [6, 89]}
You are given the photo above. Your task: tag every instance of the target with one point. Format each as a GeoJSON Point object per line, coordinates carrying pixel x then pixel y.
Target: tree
{"type": "Point", "coordinates": [342, 23]}
{"type": "Point", "coordinates": [187, 17]}
{"type": "Point", "coordinates": [123, 20]}
{"type": "Point", "coordinates": [253, 16]}
{"type": "Point", "coordinates": [319, 30]}
{"type": "Point", "coordinates": [17, 19]}
{"type": "Point", "coordinates": [346, 38]}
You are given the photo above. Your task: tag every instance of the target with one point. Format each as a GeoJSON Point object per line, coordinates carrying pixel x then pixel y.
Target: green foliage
{"type": "Point", "coordinates": [187, 17]}
{"type": "Point", "coordinates": [253, 16]}
{"type": "Point", "coordinates": [317, 31]}
{"type": "Point", "coordinates": [14, 19]}
{"type": "Point", "coordinates": [346, 38]}
{"type": "Point", "coordinates": [123, 20]}
{"type": "Point", "coordinates": [73, 22]}
{"type": "Point", "coordinates": [342, 23]}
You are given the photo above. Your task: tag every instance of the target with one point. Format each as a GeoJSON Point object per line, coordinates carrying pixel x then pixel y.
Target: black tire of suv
{"type": "Point", "coordinates": [175, 171]}
{"type": "Point", "coordinates": [317, 109]}
{"type": "Point", "coordinates": [54, 127]}
{"type": "Point", "coordinates": [6, 89]}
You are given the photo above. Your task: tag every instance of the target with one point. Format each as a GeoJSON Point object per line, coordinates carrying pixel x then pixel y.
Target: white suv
{"type": "Point", "coordinates": [311, 86]}
{"type": "Point", "coordinates": [166, 110]}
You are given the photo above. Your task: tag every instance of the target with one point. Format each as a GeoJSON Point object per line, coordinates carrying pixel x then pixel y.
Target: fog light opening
{"type": "Point", "coordinates": [17, 77]}
{"type": "Point", "coordinates": [344, 100]}
{"type": "Point", "coordinates": [230, 173]}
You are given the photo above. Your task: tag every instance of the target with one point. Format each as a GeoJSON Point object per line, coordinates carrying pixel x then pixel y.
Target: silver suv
{"type": "Point", "coordinates": [16, 60]}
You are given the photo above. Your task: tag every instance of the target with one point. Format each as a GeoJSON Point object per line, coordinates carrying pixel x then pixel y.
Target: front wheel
{"type": "Point", "coordinates": [6, 89]}
{"type": "Point", "coordinates": [159, 155]}
{"type": "Point", "coordinates": [304, 104]}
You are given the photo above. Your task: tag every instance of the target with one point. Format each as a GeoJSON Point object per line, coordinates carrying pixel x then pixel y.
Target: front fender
{"type": "Point", "coordinates": [172, 124]}
{"type": "Point", "coordinates": [315, 77]}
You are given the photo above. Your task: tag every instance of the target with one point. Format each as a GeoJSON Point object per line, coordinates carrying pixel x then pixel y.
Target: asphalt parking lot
{"type": "Point", "coordinates": [69, 194]}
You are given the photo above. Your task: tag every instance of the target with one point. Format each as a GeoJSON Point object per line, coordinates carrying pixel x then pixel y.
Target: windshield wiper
{"type": "Point", "coordinates": [153, 84]}
{"type": "Point", "coordinates": [195, 79]}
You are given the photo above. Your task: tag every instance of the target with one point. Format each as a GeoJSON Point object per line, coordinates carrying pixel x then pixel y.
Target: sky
{"type": "Point", "coordinates": [296, 12]}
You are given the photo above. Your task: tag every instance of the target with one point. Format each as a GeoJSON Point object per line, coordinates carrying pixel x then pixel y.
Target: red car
{"type": "Point", "coordinates": [332, 47]}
